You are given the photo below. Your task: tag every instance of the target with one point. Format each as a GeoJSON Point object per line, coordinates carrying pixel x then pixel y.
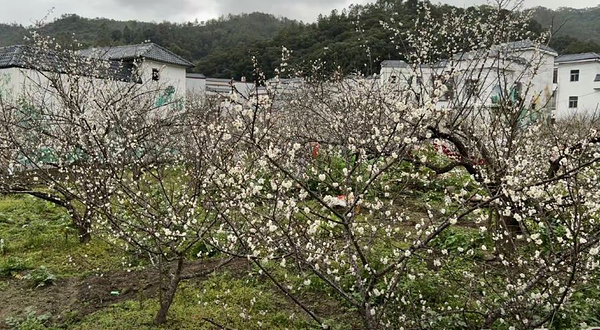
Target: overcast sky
{"type": "Point", "coordinates": [27, 11]}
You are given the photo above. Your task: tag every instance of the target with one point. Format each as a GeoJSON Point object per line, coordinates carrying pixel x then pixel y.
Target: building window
{"type": "Point", "coordinates": [573, 101]}
{"type": "Point", "coordinates": [472, 87]}
{"type": "Point", "coordinates": [496, 95]}
{"type": "Point", "coordinates": [393, 79]}
{"type": "Point", "coordinates": [574, 75]}
{"type": "Point", "coordinates": [155, 74]}
{"type": "Point", "coordinates": [451, 87]}
{"type": "Point", "coordinates": [555, 76]}
{"type": "Point", "coordinates": [443, 81]}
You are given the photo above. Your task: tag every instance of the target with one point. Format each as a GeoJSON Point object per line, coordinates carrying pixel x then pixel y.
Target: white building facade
{"type": "Point", "coordinates": [552, 86]}
{"type": "Point", "coordinates": [148, 65]}
{"type": "Point", "coordinates": [577, 81]}
{"type": "Point", "coordinates": [151, 65]}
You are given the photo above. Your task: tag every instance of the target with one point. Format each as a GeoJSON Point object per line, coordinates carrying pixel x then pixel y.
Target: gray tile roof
{"type": "Point", "coordinates": [504, 48]}
{"type": "Point", "coordinates": [195, 75]}
{"type": "Point", "coordinates": [28, 57]}
{"type": "Point", "coordinates": [393, 64]}
{"type": "Point", "coordinates": [522, 44]}
{"type": "Point", "coordinates": [149, 51]}
{"type": "Point", "coordinates": [11, 56]}
{"type": "Point", "coordinates": [577, 57]}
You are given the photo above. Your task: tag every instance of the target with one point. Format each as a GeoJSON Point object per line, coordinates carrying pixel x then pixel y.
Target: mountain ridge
{"type": "Point", "coordinates": [224, 47]}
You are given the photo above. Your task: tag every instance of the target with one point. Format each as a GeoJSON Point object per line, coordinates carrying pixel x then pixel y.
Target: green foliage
{"type": "Point", "coordinates": [583, 308]}
{"type": "Point", "coordinates": [40, 277]}
{"type": "Point", "coordinates": [30, 321]}
{"type": "Point", "coordinates": [580, 25]}
{"type": "Point", "coordinates": [192, 40]}
{"type": "Point", "coordinates": [460, 238]}
{"type": "Point", "coordinates": [201, 249]}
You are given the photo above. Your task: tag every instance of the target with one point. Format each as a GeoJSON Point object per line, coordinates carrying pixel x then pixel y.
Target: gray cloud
{"type": "Point", "coordinates": [159, 10]}
{"type": "Point", "coordinates": [142, 10]}
{"type": "Point", "coordinates": [26, 12]}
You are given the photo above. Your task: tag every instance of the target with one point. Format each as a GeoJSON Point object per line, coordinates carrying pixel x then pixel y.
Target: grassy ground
{"type": "Point", "coordinates": [50, 281]}
{"type": "Point", "coordinates": [37, 233]}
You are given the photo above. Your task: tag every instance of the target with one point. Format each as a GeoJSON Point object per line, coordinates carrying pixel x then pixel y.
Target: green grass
{"type": "Point", "coordinates": [38, 233]}
{"type": "Point", "coordinates": [230, 302]}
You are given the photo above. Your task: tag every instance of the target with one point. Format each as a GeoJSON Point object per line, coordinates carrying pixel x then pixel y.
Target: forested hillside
{"type": "Point", "coordinates": [192, 40]}
{"type": "Point", "coordinates": [576, 30]}
{"type": "Point", "coordinates": [352, 39]}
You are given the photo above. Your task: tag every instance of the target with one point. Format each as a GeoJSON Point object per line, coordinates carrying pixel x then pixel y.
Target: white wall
{"type": "Point", "coordinates": [17, 80]}
{"type": "Point", "coordinates": [587, 91]}
{"type": "Point", "coordinates": [195, 86]}
{"type": "Point", "coordinates": [489, 71]}
{"type": "Point", "coordinates": [170, 75]}
{"type": "Point", "coordinates": [11, 81]}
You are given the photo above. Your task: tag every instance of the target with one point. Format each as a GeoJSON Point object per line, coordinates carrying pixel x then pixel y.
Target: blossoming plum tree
{"type": "Point", "coordinates": [342, 217]}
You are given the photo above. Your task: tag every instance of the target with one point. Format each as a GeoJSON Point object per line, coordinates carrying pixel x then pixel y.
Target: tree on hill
{"type": "Point", "coordinates": [352, 39]}
{"type": "Point", "coordinates": [582, 24]}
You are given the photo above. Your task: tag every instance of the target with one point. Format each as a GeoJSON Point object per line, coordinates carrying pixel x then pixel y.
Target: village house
{"type": "Point", "coordinates": [151, 64]}
{"type": "Point", "coordinates": [148, 64]}
{"type": "Point", "coordinates": [562, 86]}
{"type": "Point", "coordinates": [577, 77]}
{"type": "Point", "coordinates": [482, 77]}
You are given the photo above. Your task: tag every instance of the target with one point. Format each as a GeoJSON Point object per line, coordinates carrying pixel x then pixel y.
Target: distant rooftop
{"type": "Point", "coordinates": [28, 57]}
{"type": "Point", "coordinates": [509, 46]}
{"type": "Point", "coordinates": [577, 57]}
{"type": "Point", "coordinates": [11, 56]}
{"type": "Point", "coordinates": [195, 75]}
{"type": "Point", "coordinates": [527, 43]}
{"type": "Point", "coordinates": [149, 51]}
{"type": "Point", "coordinates": [394, 64]}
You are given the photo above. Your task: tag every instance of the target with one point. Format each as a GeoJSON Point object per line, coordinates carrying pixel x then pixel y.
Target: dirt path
{"type": "Point", "coordinates": [77, 297]}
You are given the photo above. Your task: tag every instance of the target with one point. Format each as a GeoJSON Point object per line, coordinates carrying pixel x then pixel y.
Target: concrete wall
{"type": "Point", "coordinates": [35, 88]}
{"type": "Point", "coordinates": [16, 81]}
{"type": "Point", "coordinates": [11, 81]}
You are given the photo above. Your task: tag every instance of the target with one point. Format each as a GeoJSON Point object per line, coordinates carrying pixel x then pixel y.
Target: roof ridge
{"type": "Point", "coordinates": [578, 57]}
{"type": "Point", "coordinates": [118, 46]}
{"type": "Point", "coordinates": [149, 50]}
{"type": "Point", "coordinates": [166, 50]}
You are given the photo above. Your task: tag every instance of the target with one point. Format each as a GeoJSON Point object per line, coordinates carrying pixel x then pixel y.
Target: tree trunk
{"type": "Point", "coordinates": [82, 224]}
{"type": "Point", "coordinates": [84, 234]}
{"type": "Point", "coordinates": [167, 298]}
{"type": "Point", "coordinates": [510, 229]}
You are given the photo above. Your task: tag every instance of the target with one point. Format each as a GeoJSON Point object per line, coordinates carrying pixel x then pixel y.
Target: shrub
{"type": "Point", "coordinates": [41, 277]}
{"type": "Point", "coordinates": [30, 321]}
